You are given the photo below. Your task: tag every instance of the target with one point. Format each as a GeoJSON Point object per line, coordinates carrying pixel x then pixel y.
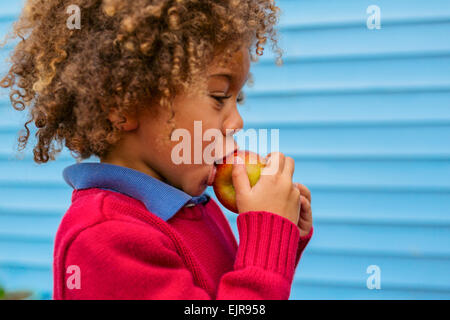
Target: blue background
{"type": "Point", "coordinates": [366, 115]}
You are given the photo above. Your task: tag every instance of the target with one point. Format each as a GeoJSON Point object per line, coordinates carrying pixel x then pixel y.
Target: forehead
{"type": "Point", "coordinates": [236, 69]}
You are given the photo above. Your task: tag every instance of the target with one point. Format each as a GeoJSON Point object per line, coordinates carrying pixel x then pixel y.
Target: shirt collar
{"type": "Point", "coordinates": [159, 198]}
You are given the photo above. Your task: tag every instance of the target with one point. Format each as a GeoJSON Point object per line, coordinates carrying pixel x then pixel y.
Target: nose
{"type": "Point", "coordinates": [233, 122]}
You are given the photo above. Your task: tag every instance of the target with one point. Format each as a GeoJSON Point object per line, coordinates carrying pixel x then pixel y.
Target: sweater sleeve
{"type": "Point", "coordinates": [118, 264]}
{"type": "Point", "coordinates": [303, 242]}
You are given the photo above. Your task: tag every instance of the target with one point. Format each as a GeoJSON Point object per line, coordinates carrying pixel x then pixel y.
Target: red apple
{"type": "Point", "coordinates": [223, 182]}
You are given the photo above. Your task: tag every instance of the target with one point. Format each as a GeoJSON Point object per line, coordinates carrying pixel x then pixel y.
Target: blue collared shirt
{"type": "Point", "coordinates": [160, 198]}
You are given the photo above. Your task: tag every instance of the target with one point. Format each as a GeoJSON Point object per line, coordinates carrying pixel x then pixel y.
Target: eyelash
{"type": "Point", "coordinates": [220, 99]}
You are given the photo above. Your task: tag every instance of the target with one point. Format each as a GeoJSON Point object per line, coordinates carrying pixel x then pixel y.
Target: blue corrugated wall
{"type": "Point", "coordinates": [366, 115]}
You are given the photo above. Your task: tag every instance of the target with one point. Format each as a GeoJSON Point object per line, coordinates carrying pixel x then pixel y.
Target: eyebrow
{"type": "Point", "coordinates": [229, 76]}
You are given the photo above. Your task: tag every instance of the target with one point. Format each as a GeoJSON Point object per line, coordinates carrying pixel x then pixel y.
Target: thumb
{"type": "Point", "coordinates": [239, 175]}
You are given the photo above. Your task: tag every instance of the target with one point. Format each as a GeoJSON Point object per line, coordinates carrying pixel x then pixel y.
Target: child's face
{"type": "Point", "coordinates": [143, 153]}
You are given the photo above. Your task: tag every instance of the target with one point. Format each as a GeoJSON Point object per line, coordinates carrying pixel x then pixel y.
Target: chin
{"type": "Point", "coordinates": [199, 188]}
{"type": "Point", "coordinates": [196, 191]}
{"type": "Point", "coordinates": [194, 187]}
{"type": "Point", "coordinates": [196, 183]}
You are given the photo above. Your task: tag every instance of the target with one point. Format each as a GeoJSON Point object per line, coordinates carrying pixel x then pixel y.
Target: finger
{"type": "Point", "coordinates": [289, 165]}
{"type": "Point", "coordinates": [274, 165]}
{"type": "Point", "coordinates": [305, 211]}
{"type": "Point", "coordinates": [304, 191]}
{"type": "Point", "coordinates": [239, 176]}
{"type": "Point", "coordinates": [299, 198]}
{"type": "Point", "coordinates": [305, 219]}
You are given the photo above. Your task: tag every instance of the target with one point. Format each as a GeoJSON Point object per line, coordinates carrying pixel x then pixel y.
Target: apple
{"type": "Point", "coordinates": [223, 181]}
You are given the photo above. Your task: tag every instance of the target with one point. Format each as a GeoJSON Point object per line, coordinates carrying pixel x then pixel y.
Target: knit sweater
{"type": "Point", "coordinates": [111, 247]}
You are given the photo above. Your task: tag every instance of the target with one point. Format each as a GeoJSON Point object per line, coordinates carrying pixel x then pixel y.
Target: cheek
{"type": "Point", "coordinates": [181, 165]}
{"type": "Point", "coordinates": [156, 146]}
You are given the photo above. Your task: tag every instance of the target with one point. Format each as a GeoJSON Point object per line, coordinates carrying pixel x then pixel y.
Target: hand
{"type": "Point", "coordinates": [305, 219]}
{"type": "Point", "coordinates": [274, 192]}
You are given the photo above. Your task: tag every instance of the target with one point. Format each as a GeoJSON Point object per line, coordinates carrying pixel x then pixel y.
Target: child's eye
{"type": "Point", "coordinates": [220, 99]}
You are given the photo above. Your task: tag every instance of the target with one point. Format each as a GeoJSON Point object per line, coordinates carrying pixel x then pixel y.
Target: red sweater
{"type": "Point", "coordinates": [120, 250]}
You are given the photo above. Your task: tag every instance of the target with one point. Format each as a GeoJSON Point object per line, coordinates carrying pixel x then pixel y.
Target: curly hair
{"type": "Point", "coordinates": [125, 54]}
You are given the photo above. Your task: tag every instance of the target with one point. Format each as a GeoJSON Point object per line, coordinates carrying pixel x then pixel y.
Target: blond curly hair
{"type": "Point", "coordinates": [126, 53]}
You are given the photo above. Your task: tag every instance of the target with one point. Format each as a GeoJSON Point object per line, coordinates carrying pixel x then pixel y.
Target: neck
{"type": "Point", "coordinates": [118, 158]}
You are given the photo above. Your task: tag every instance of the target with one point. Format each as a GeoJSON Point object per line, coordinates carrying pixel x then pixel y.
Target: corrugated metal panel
{"type": "Point", "coordinates": [365, 113]}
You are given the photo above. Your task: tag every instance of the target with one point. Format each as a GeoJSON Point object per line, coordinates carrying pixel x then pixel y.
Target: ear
{"type": "Point", "coordinates": [124, 122]}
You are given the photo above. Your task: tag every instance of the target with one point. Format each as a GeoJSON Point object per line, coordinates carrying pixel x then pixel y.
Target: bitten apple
{"type": "Point", "coordinates": [223, 181]}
